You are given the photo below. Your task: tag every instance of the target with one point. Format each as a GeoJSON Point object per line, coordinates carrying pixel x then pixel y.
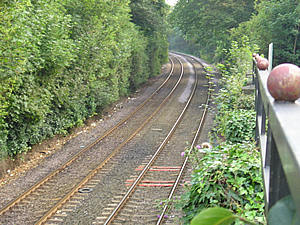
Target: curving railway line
{"type": "Point", "coordinates": [161, 175]}
{"type": "Point", "coordinates": [102, 183]}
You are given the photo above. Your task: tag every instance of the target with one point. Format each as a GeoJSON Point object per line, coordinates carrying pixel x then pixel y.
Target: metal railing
{"type": "Point", "coordinates": [278, 136]}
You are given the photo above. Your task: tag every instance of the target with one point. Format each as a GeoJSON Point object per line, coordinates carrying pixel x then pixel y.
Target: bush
{"type": "Point", "coordinates": [236, 119]}
{"type": "Point", "coordinates": [150, 17]}
{"type": "Point", "coordinates": [237, 126]}
{"type": "Point", "coordinates": [227, 176]}
{"type": "Point", "coordinates": [139, 70]}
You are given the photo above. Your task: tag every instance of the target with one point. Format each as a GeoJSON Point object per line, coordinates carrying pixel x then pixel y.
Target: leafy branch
{"type": "Point", "coordinates": [218, 216]}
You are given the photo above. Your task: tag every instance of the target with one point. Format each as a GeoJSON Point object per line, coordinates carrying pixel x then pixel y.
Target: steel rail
{"type": "Point", "coordinates": [151, 161]}
{"type": "Point", "coordinates": [175, 185]}
{"type": "Point", "coordinates": [91, 174]}
{"type": "Point", "coordinates": [39, 183]}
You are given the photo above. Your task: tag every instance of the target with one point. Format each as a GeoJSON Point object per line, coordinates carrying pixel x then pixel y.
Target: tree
{"type": "Point", "coordinates": [276, 21]}
{"type": "Point", "coordinates": [150, 17]}
{"type": "Point", "coordinates": [208, 22]}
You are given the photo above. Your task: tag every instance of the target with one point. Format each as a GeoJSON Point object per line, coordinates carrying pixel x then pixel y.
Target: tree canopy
{"type": "Point", "coordinates": [150, 17]}
{"type": "Point", "coordinates": [277, 22]}
{"type": "Point", "coordinates": [207, 23]}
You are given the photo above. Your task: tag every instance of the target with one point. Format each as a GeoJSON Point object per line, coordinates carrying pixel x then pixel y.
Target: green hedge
{"type": "Point", "coordinates": [62, 62]}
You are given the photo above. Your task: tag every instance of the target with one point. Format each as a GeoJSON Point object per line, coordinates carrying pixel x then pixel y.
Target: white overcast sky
{"type": "Point", "coordinates": [171, 2]}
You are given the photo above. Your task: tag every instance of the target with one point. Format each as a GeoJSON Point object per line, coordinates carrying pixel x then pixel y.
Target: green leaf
{"type": "Point", "coordinates": [214, 216]}
{"type": "Point", "coordinates": [283, 212]}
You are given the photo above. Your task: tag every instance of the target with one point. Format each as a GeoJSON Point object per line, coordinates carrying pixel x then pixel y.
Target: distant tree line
{"type": "Point", "coordinates": [62, 61]}
{"type": "Point", "coordinates": [211, 26]}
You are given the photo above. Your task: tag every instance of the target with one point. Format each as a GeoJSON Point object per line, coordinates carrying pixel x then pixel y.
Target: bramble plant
{"type": "Point", "coordinates": [237, 126]}
{"type": "Point", "coordinates": [227, 176]}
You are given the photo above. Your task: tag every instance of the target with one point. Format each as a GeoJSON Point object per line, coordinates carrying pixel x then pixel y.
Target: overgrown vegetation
{"type": "Point", "coordinates": [179, 44]}
{"type": "Point", "coordinates": [229, 174]}
{"type": "Point", "coordinates": [64, 61]}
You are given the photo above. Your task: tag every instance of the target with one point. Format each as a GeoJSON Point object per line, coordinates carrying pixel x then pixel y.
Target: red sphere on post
{"type": "Point", "coordinates": [284, 82]}
{"type": "Point", "coordinates": [262, 63]}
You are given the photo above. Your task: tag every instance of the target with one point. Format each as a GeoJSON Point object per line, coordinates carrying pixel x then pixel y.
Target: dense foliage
{"type": "Point", "coordinates": [179, 44]}
{"type": "Point", "coordinates": [283, 212]}
{"type": "Point", "coordinates": [236, 116]}
{"type": "Point", "coordinates": [63, 61]}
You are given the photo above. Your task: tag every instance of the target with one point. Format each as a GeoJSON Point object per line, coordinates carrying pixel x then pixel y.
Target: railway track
{"type": "Point", "coordinates": [155, 178]}
{"type": "Point", "coordinates": [162, 217]}
{"type": "Point", "coordinates": [12, 211]}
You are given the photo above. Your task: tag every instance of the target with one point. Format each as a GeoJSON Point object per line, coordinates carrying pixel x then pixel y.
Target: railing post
{"type": "Point", "coordinates": [278, 186]}
{"type": "Point", "coordinates": [263, 121]}
{"type": "Point", "coordinates": [258, 105]}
